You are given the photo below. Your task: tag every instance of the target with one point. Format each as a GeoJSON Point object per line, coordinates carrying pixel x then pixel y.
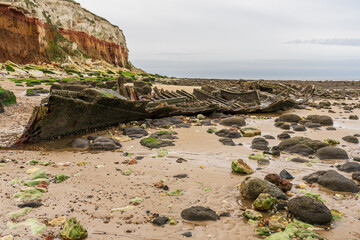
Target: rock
{"type": "Point", "coordinates": [135, 132]}
{"type": "Point", "coordinates": [279, 236]}
{"type": "Point", "coordinates": [264, 202]}
{"type": "Point", "coordinates": [105, 144]}
{"type": "Point", "coordinates": [251, 214]}
{"type": "Point", "coordinates": [39, 173]}
{"type": "Point", "coordinates": [301, 149]}
{"type": "Point", "coordinates": [200, 117]}
{"type": "Point", "coordinates": [356, 176]}
{"type": "Point", "coordinates": [289, 118]}
{"type": "Point", "coordinates": [299, 128]}
{"type": "Point", "coordinates": [269, 137]}
{"type": "Point", "coordinates": [180, 176]}
{"type": "Point", "coordinates": [183, 125]}
{"type": "Point", "coordinates": [31, 204]}
{"type": "Point", "coordinates": [73, 230]}
{"type": "Point", "coordinates": [164, 135]}
{"type": "Point", "coordinates": [187, 234]}
{"type": "Point", "coordinates": [250, 132]}
{"type": "Point", "coordinates": [206, 123]}
{"type": "Point", "coordinates": [59, 178]}
{"type": "Point", "coordinates": [283, 136]}
{"type": "Point", "coordinates": [349, 167]}
{"type": "Point", "coordinates": [155, 143]}
{"type": "Point", "coordinates": [166, 122]}
{"type": "Point", "coordinates": [310, 210]}
{"type": "Point", "coordinates": [212, 130]}
{"type": "Point", "coordinates": [199, 213]}
{"type": "Point", "coordinates": [333, 181]}
{"type": "Point", "coordinates": [230, 121]}
{"type": "Point", "coordinates": [299, 160]}
{"type": "Point", "coordinates": [263, 161]}
{"type": "Point", "coordinates": [331, 129]}
{"type": "Point", "coordinates": [312, 125]}
{"type": "Point", "coordinates": [80, 143]}
{"type": "Point", "coordinates": [285, 174]}
{"type": "Point", "coordinates": [227, 141]}
{"type": "Point", "coordinates": [285, 126]}
{"type": "Point", "coordinates": [314, 144]}
{"type": "Point", "coordinates": [331, 153]}
{"type": "Point", "coordinates": [323, 120]}
{"type": "Point", "coordinates": [228, 133]}
{"type": "Point", "coordinates": [351, 139]}
{"type": "Point", "coordinates": [353, 117]}
{"type": "Point", "coordinates": [239, 166]}
{"type": "Point", "coordinates": [307, 234]}
{"type": "Point", "coordinates": [356, 159]}
{"type": "Point", "coordinates": [280, 182]}
{"type": "Point", "coordinates": [251, 188]}
{"type": "Point", "coordinates": [324, 104]}
{"type": "Point", "coordinates": [259, 143]}
{"type": "Point", "coordinates": [160, 221]}
{"type": "Point", "coordinates": [331, 142]}
{"type": "Point", "coordinates": [58, 221]}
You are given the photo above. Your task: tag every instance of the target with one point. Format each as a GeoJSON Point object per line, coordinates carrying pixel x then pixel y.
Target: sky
{"type": "Point", "coordinates": [239, 39]}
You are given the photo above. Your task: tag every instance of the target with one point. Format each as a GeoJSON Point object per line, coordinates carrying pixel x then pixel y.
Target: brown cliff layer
{"type": "Point", "coordinates": [25, 39]}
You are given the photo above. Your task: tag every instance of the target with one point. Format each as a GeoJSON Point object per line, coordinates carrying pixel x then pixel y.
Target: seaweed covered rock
{"type": "Point", "coordinates": [239, 166]}
{"type": "Point", "coordinates": [310, 210]}
{"type": "Point", "coordinates": [73, 230]}
{"type": "Point", "coordinates": [321, 119]}
{"type": "Point", "coordinates": [155, 143]}
{"type": "Point", "coordinates": [264, 202]}
{"type": "Point", "coordinates": [333, 181]}
{"type": "Point", "coordinates": [332, 153]}
{"type": "Point", "coordinates": [238, 121]}
{"type": "Point", "coordinates": [7, 97]}
{"type": "Point", "coordinates": [199, 213]}
{"type": "Point", "coordinates": [164, 135]}
{"type": "Point", "coordinates": [252, 214]}
{"type": "Point", "coordinates": [251, 188]}
{"type": "Point", "coordinates": [250, 132]}
{"type": "Point", "coordinates": [142, 88]}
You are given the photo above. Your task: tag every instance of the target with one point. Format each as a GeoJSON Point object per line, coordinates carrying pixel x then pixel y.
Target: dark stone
{"type": "Point", "coordinates": [268, 137]}
{"type": "Point", "coordinates": [289, 118]}
{"type": "Point", "coordinates": [349, 167]}
{"type": "Point", "coordinates": [183, 125]}
{"type": "Point", "coordinates": [187, 234]}
{"type": "Point", "coordinates": [285, 174]}
{"type": "Point", "coordinates": [105, 144]}
{"type": "Point", "coordinates": [353, 117]}
{"type": "Point", "coordinates": [333, 181]}
{"type": "Point", "coordinates": [356, 176]}
{"type": "Point", "coordinates": [93, 137]}
{"type": "Point", "coordinates": [310, 210]}
{"type": "Point", "coordinates": [356, 159]}
{"type": "Point", "coordinates": [238, 121]}
{"type": "Point", "coordinates": [135, 132]}
{"type": "Point", "coordinates": [301, 149]}
{"type": "Point", "coordinates": [314, 144]}
{"type": "Point", "coordinates": [278, 124]}
{"type": "Point", "coordinates": [227, 141]}
{"type": "Point", "coordinates": [199, 213]}
{"type": "Point", "coordinates": [351, 139]}
{"type": "Point", "coordinates": [332, 153]}
{"type": "Point", "coordinates": [299, 160]}
{"type": "Point", "coordinates": [251, 188]}
{"type": "Point", "coordinates": [206, 123]}
{"type": "Point", "coordinates": [299, 128]}
{"type": "Point", "coordinates": [166, 122]}
{"type": "Point", "coordinates": [160, 221]}
{"type": "Point", "coordinates": [155, 143]}
{"type": "Point", "coordinates": [323, 120]}
{"type": "Point", "coordinates": [31, 204]}
{"type": "Point", "coordinates": [260, 144]}
{"type": "Point", "coordinates": [227, 133]}
{"type": "Point", "coordinates": [285, 126]}
{"type": "Point", "coordinates": [283, 136]}
{"type": "Point", "coordinates": [180, 176]}
{"type": "Point", "coordinates": [331, 129]}
{"type": "Point", "coordinates": [170, 135]}
{"type": "Point", "coordinates": [80, 143]}
{"type": "Point", "coordinates": [225, 214]}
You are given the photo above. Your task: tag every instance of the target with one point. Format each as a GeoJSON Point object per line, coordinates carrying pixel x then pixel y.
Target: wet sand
{"type": "Point", "coordinates": [94, 189]}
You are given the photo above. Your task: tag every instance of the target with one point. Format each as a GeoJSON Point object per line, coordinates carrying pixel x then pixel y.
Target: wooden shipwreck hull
{"type": "Point", "coordinates": [77, 107]}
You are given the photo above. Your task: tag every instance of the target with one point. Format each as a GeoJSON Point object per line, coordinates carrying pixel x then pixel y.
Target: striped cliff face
{"type": "Point", "coordinates": [56, 31]}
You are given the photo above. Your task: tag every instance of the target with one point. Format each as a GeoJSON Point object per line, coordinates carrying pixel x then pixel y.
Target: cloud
{"type": "Point", "coordinates": [355, 42]}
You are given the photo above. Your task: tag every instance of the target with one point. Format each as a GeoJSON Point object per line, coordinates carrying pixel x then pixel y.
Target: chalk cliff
{"type": "Point", "coordinates": [57, 31]}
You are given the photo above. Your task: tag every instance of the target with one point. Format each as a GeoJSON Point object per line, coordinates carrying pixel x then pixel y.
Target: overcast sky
{"type": "Point", "coordinates": [269, 39]}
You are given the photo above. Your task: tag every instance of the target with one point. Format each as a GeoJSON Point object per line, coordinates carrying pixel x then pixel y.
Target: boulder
{"type": "Point", "coordinates": [353, 117]}
{"type": "Point", "coordinates": [227, 141]}
{"type": "Point", "coordinates": [285, 126]}
{"type": "Point", "coordinates": [310, 210]}
{"type": "Point", "coordinates": [301, 149]}
{"type": "Point", "coordinates": [299, 128]}
{"type": "Point", "coordinates": [351, 139]}
{"type": "Point", "coordinates": [135, 132]}
{"type": "Point", "coordinates": [349, 167]}
{"type": "Point", "coordinates": [323, 120]}
{"type": "Point", "coordinates": [283, 136]}
{"type": "Point", "coordinates": [251, 214]}
{"type": "Point", "coordinates": [289, 118]}
{"type": "Point", "coordinates": [105, 144]}
{"type": "Point", "coordinates": [73, 230]}
{"type": "Point", "coordinates": [230, 121]}
{"type": "Point", "coordinates": [260, 143]}
{"type": "Point", "coordinates": [332, 153]}
{"type": "Point", "coordinates": [80, 143]}
{"type": "Point", "coordinates": [264, 202]}
{"type": "Point", "coordinates": [199, 213]}
{"type": "Point", "coordinates": [239, 166]}
{"type": "Point", "coordinates": [314, 144]}
{"type": "Point", "coordinates": [251, 188]}
{"type": "Point", "coordinates": [333, 181]}
{"type": "Point", "coordinates": [331, 129]}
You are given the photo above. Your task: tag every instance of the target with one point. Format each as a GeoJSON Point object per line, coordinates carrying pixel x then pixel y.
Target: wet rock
{"type": "Point", "coordinates": [239, 166]}
{"type": "Point", "coordinates": [187, 234]}
{"type": "Point", "coordinates": [206, 123]}
{"type": "Point", "coordinates": [314, 144]}
{"type": "Point", "coordinates": [228, 133]}
{"type": "Point", "coordinates": [264, 202]}
{"type": "Point", "coordinates": [105, 144]}
{"type": "Point", "coordinates": [356, 176]}
{"type": "Point", "coordinates": [312, 125]}
{"type": "Point", "coordinates": [278, 124]}
{"type": "Point", "coordinates": [73, 230]}
{"type": "Point", "coordinates": [180, 176]}
{"type": "Point", "coordinates": [80, 143]}
{"type": "Point", "coordinates": [31, 204]}
{"type": "Point", "coordinates": [227, 141]}
{"type": "Point", "coordinates": [160, 221]}
{"type": "Point", "coordinates": [323, 120]}
{"type": "Point", "coordinates": [251, 214]}
{"type": "Point", "coordinates": [164, 135]}
{"type": "Point", "coordinates": [332, 153]}
{"type": "Point", "coordinates": [301, 149]}
{"type": "Point", "coordinates": [238, 121]}
{"type": "Point", "coordinates": [93, 137]}
{"type": "Point", "coordinates": [166, 122]}
{"type": "Point", "coordinates": [331, 129]}
{"type": "Point", "coordinates": [289, 118]}
{"type": "Point", "coordinates": [349, 167]}
{"type": "Point", "coordinates": [183, 125]}
{"type": "Point", "coordinates": [299, 128]}
{"type": "Point", "coordinates": [324, 104]}
{"type": "Point", "coordinates": [310, 210]}
{"type": "Point", "coordinates": [285, 126]}
{"type": "Point", "coordinates": [333, 181]}
{"type": "Point", "coordinates": [283, 136]}
{"type": "Point", "coordinates": [135, 132]}
{"type": "Point", "coordinates": [299, 160]}
{"type": "Point", "coordinates": [353, 117]}
{"type": "Point", "coordinates": [199, 213]}
{"type": "Point", "coordinates": [356, 159]}
{"type": "Point", "coordinates": [280, 182]}
{"type": "Point", "coordinates": [351, 139]}
{"type": "Point", "coordinates": [251, 188]}
{"type": "Point", "coordinates": [285, 174]}
{"type": "Point", "coordinates": [250, 132]}
{"type": "Point", "coordinates": [259, 143]}
{"type": "Point", "coordinates": [155, 143]}
{"type": "Point", "coordinates": [269, 137]}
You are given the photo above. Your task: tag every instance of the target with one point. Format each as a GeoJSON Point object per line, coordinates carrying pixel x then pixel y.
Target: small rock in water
{"type": "Point", "coordinates": [160, 221]}
{"type": "Point", "coordinates": [285, 174]}
{"type": "Point", "coordinates": [351, 139]}
{"type": "Point", "coordinates": [181, 176]}
{"type": "Point", "coordinates": [199, 213]}
{"type": "Point", "coordinates": [349, 167]}
{"type": "Point", "coordinates": [227, 141]}
{"type": "Point", "coordinates": [187, 234]}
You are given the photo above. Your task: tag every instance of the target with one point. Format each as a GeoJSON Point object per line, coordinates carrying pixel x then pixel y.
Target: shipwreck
{"type": "Point", "coordinates": [78, 106]}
